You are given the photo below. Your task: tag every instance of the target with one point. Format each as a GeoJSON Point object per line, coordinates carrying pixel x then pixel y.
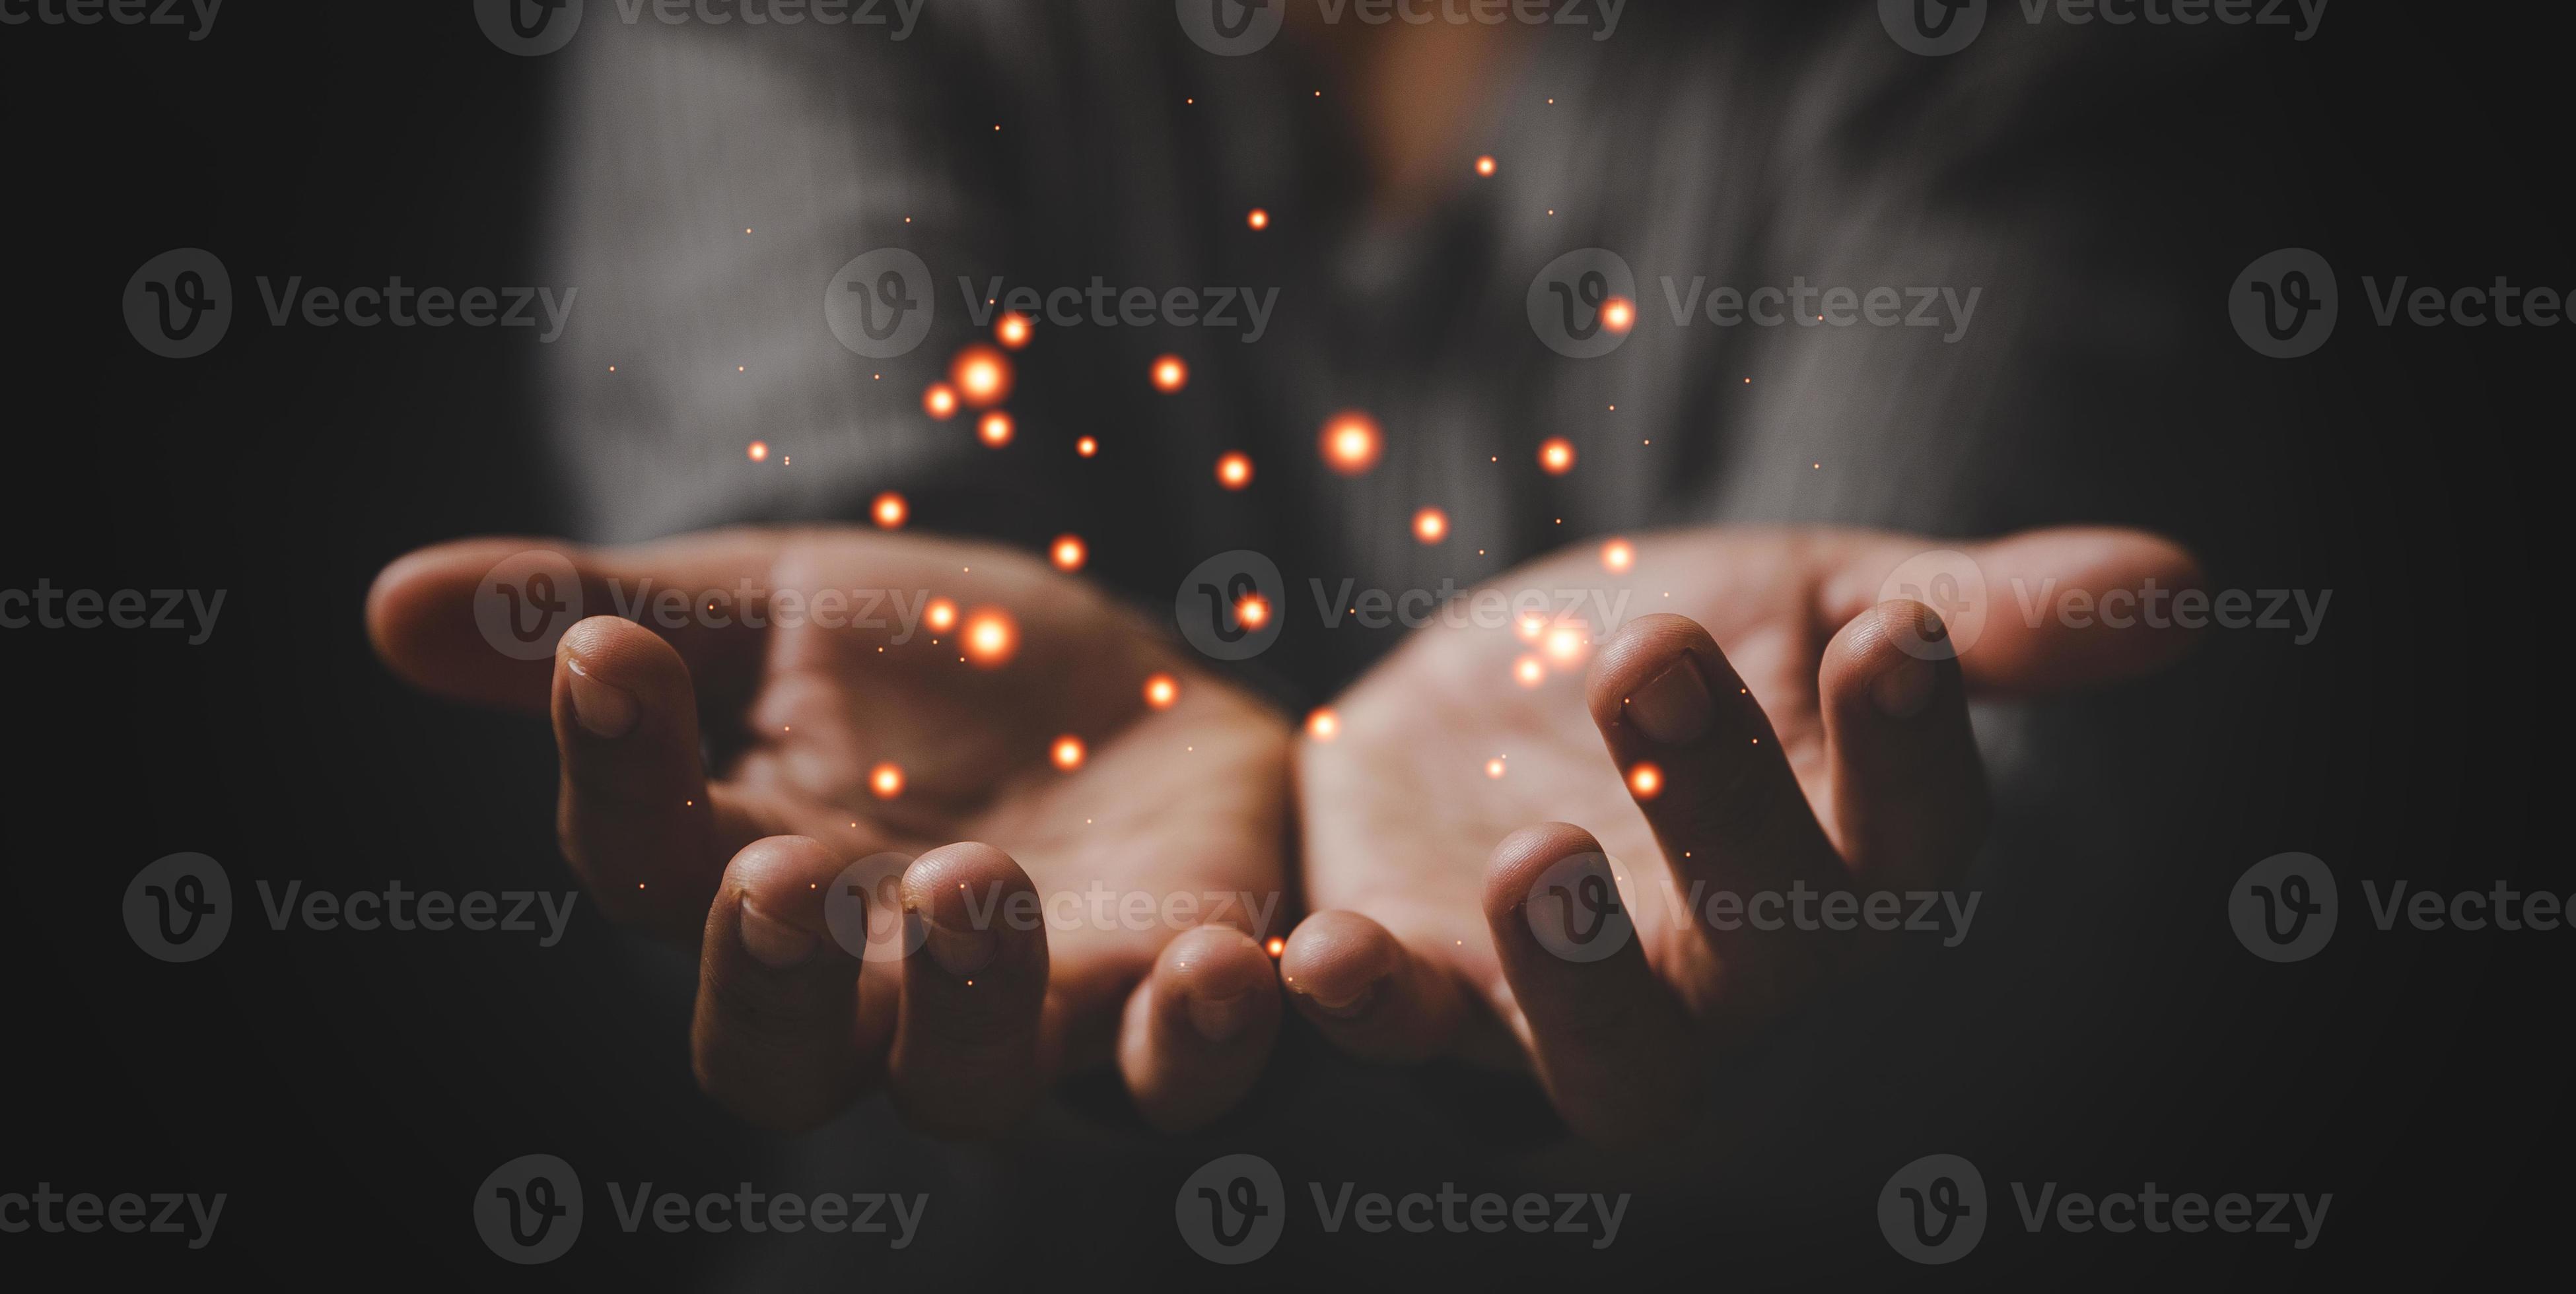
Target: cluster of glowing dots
{"type": "Point", "coordinates": [991, 638]}
{"type": "Point", "coordinates": [890, 511]}
{"type": "Point", "coordinates": [1562, 644]}
{"type": "Point", "coordinates": [1067, 753]}
{"type": "Point", "coordinates": [1068, 553]}
{"type": "Point", "coordinates": [1431, 525]}
{"type": "Point", "coordinates": [1351, 443]}
{"type": "Point", "coordinates": [1234, 471]}
{"type": "Point", "coordinates": [1556, 455]}
{"type": "Point", "coordinates": [1161, 691]}
{"type": "Point", "coordinates": [886, 781]}
{"type": "Point", "coordinates": [1170, 373]}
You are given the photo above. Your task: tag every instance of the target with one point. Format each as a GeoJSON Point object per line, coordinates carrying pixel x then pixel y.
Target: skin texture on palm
{"type": "Point", "coordinates": [717, 777]}
{"type": "Point", "coordinates": [1815, 738]}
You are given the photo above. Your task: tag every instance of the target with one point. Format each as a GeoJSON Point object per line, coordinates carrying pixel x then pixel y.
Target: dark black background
{"type": "Point", "coordinates": [348, 1092]}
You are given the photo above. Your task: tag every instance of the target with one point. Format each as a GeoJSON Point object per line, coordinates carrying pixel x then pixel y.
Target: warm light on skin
{"type": "Point", "coordinates": [1170, 374]}
{"type": "Point", "coordinates": [1323, 725]}
{"type": "Point", "coordinates": [1618, 555]}
{"type": "Point", "coordinates": [1012, 330]}
{"type": "Point", "coordinates": [1352, 443]}
{"type": "Point", "coordinates": [1161, 691]}
{"type": "Point", "coordinates": [1556, 455]}
{"type": "Point", "coordinates": [982, 375]}
{"type": "Point", "coordinates": [1067, 753]}
{"type": "Point", "coordinates": [940, 615]}
{"type": "Point", "coordinates": [1259, 219]}
{"type": "Point", "coordinates": [1485, 164]}
{"type": "Point", "coordinates": [992, 637]}
{"type": "Point", "coordinates": [1529, 671]}
{"type": "Point", "coordinates": [1493, 768]}
{"type": "Point", "coordinates": [1086, 447]}
{"type": "Point", "coordinates": [890, 511]}
{"type": "Point", "coordinates": [758, 450]}
{"type": "Point", "coordinates": [1619, 314]}
{"type": "Point", "coordinates": [996, 429]}
{"type": "Point", "coordinates": [1234, 471]}
{"type": "Point", "coordinates": [1566, 644]}
{"type": "Point", "coordinates": [1068, 553]}
{"type": "Point", "coordinates": [1645, 781]}
{"type": "Point", "coordinates": [1431, 525]}
{"type": "Point", "coordinates": [939, 400]}
{"type": "Point", "coordinates": [1253, 611]}
{"type": "Point", "coordinates": [1530, 626]}
{"type": "Point", "coordinates": [886, 780]}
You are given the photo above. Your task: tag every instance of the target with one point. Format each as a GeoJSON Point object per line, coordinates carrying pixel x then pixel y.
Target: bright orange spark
{"type": "Point", "coordinates": [1067, 753]}
{"type": "Point", "coordinates": [1556, 455]}
{"type": "Point", "coordinates": [1352, 443]}
{"type": "Point", "coordinates": [1258, 219]}
{"type": "Point", "coordinates": [982, 375]}
{"type": "Point", "coordinates": [1012, 330]}
{"type": "Point", "coordinates": [1645, 781]}
{"type": "Point", "coordinates": [1234, 471]}
{"type": "Point", "coordinates": [995, 429]}
{"type": "Point", "coordinates": [1617, 556]}
{"type": "Point", "coordinates": [890, 511]}
{"type": "Point", "coordinates": [759, 451]}
{"type": "Point", "coordinates": [940, 615]}
{"type": "Point", "coordinates": [1431, 525]}
{"type": "Point", "coordinates": [939, 400]}
{"type": "Point", "coordinates": [1068, 553]}
{"type": "Point", "coordinates": [992, 637]}
{"type": "Point", "coordinates": [1170, 373]}
{"type": "Point", "coordinates": [1161, 691]}
{"type": "Point", "coordinates": [886, 780]}
{"type": "Point", "coordinates": [1323, 725]}
{"type": "Point", "coordinates": [1529, 671]}
{"type": "Point", "coordinates": [1086, 447]}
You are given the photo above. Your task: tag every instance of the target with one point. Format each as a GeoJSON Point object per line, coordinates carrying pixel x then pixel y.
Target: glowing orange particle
{"type": "Point", "coordinates": [759, 451]}
{"type": "Point", "coordinates": [1352, 443]}
{"type": "Point", "coordinates": [1259, 219]}
{"type": "Point", "coordinates": [939, 400]}
{"type": "Point", "coordinates": [1530, 626]}
{"type": "Point", "coordinates": [1068, 553]}
{"type": "Point", "coordinates": [1566, 644]}
{"type": "Point", "coordinates": [1234, 471]}
{"type": "Point", "coordinates": [1556, 454]}
{"type": "Point", "coordinates": [1645, 781]}
{"type": "Point", "coordinates": [1012, 329]}
{"type": "Point", "coordinates": [1485, 164]}
{"type": "Point", "coordinates": [1619, 314]}
{"type": "Point", "coordinates": [1086, 447]}
{"type": "Point", "coordinates": [1161, 691]}
{"type": "Point", "coordinates": [1431, 525]}
{"type": "Point", "coordinates": [890, 511]}
{"type": "Point", "coordinates": [995, 429]}
{"type": "Point", "coordinates": [1170, 374]}
{"type": "Point", "coordinates": [1253, 611]}
{"type": "Point", "coordinates": [992, 637]}
{"type": "Point", "coordinates": [1493, 768]}
{"type": "Point", "coordinates": [982, 375]}
{"type": "Point", "coordinates": [940, 615]}
{"type": "Point", "coordinates": [1618, 555]}
{"type": "Point", "coordinates": [1067, 753]}
{"type": "Point", "coordinates": [1529, 671]}
{"type": "Point", "coordinates": [1323, 725]}
{"type": "Point", "coordinates": [886, 780]}
{"type": "Point", "coordinates": [1276, 945]}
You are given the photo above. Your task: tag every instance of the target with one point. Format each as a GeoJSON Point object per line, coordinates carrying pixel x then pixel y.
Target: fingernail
{"type": "Point", "coordinates": [958, 952]}
{"type": "Point", "coordinates": [1901, 693]}
{"type": "Point", "coordinates": [772, 942]}
{"type": "Point", "coordinates": [1218, 1019]}
{"type": "Point", "coordinates": [601, 710]}
{"type": "Point", "coordinates": [1345, 1010]}
{"type": "Point", "coordinates": [1673, 707]}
